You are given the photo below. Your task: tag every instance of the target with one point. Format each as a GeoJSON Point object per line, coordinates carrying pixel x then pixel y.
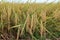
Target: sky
{"type": "Point", "coordinates": [38, 1]}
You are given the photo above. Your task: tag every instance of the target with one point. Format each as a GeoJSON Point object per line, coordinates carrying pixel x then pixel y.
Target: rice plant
{"type": "Point", "coordinates": [35, 21]}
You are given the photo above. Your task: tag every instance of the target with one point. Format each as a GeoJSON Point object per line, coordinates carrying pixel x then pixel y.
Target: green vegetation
{"type": "Point", "coordinates": [29, 21]}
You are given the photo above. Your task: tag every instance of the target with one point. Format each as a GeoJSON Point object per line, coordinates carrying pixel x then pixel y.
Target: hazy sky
{"type": "Point", "coordinates": [38, 1]}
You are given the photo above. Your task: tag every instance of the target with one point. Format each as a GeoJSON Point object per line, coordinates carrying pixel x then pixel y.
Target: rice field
{"type": "Point", "coordinates": [29, 21]}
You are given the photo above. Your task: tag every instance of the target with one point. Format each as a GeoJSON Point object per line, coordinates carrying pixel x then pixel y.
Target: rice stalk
{"type": "Point", "coordinates": [33, 22]}
{"type": "Point", "coordinates": [28, 23]}
{"type": "Point", "coordinates": [42, 30]}
{"type": "Point", "coordinates": [2, 22]}
{"type": "Point", "coordinates": [43, 20]}
{"type": "Point", "coordinates": [8, 16]}
{"type": "Point", "coordinates": [18, 33]}
{"type": "Point", "coordinates": [22, 30]}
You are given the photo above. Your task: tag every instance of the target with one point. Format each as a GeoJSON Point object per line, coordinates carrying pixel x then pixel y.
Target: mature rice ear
{"type": "Point", "coordinates": [43, 15]}
{"type": "Point", "coordinates": [31, 23]}
{"type": "Point", "coordinates": [56, 14]}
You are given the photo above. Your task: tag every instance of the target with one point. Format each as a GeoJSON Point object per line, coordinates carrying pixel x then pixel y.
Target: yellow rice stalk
{"type": "Point", "coordinates": [43, 19]}
{"type": "Point", "coordinates": [28, 24]}
{"type": "Point", "coordinates": [41, 29]}
{"type": "Point", "coordinates": [33, 22]}
{"type": "Point", "coordinates": [8, 16]}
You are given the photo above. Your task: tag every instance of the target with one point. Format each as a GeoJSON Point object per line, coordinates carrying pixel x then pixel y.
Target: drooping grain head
{"type": "Point", "coordinates": [57, 14]}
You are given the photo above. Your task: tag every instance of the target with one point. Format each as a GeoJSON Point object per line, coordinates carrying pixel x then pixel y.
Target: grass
{"type": "Point", "coordinates": [30, 21]}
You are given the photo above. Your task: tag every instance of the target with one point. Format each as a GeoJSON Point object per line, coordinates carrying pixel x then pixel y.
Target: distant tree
{"type": "Point", "coordinates": [2, 0]}
{"type": "Point", "coordinates": [19, 1]}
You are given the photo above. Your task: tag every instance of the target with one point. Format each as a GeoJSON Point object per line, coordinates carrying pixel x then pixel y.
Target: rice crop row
{"type": "Point", "coordinates": [30, 21]}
